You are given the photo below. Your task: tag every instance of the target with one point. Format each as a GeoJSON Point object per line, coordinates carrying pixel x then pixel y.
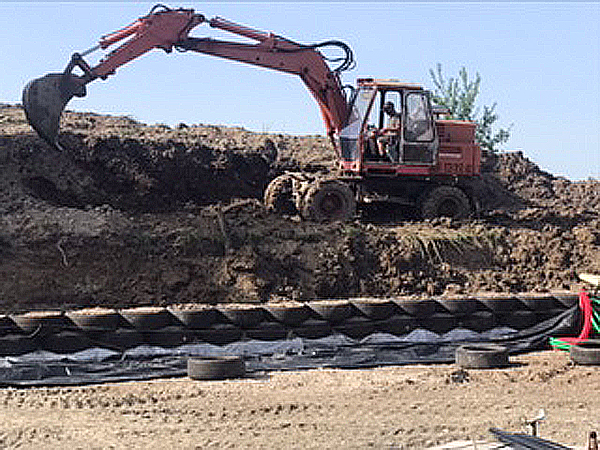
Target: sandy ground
{"type": "Point", "coordinates": [411, 407]}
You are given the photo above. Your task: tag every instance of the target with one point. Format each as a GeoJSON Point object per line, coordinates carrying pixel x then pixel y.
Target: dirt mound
{"type": "Point", "coordinates": [132, 214]}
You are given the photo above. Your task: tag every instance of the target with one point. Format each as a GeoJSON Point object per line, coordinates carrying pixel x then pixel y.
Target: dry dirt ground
{"type": "Point", "coordinates": [413, 407]}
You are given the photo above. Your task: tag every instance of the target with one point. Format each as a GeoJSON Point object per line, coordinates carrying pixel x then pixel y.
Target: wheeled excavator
{"type": "Point", "coordinates": [392, 143]}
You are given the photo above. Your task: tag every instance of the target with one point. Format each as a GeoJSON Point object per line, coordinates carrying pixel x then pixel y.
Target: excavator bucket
{"type": "Point", "coordinates": [44, 100]}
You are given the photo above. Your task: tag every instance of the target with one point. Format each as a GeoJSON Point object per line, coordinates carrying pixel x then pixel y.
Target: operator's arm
{"type": "Point", "coordinates": [394, 125]}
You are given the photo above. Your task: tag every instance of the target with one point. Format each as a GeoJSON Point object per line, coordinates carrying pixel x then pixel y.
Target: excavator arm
{"type": "Point", "coordinates": [45, 98]}
{"type": "Point", "coordinates": [277, 53]}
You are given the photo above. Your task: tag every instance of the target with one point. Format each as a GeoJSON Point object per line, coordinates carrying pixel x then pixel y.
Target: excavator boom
{"type": "Point", "coordinates": [45, 98]}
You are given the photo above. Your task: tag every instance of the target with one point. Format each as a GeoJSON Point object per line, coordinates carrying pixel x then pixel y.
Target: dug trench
{"type": "Point", "coordinates": [131, 214]}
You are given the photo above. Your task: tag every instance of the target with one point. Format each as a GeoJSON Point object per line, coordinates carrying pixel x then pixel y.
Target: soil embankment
{"type": "Point", "coordinates": [132, 214]}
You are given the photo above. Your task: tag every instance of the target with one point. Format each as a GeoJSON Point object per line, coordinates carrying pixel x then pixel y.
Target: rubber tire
{"type": "Point", "coordinates": [398, 325]}
{"type": "Point", "coordinates": [439, 323]}
{"type": "Point", "coordinates": [279, 195]}
{"type": "Point", "coordinates": [168, 337]}
{"type": "Point", "coordinates": [416, 307]}
{"type": "Point", "coordinates": [220, 334]}
{"type": "Point", "coordinates": [539, 302]}
{"type": "Point", "coordinates": [102, 321]}
{"type": "Point", "coordinates": [118, 340]}
{"type": "Point", "coordinates": [586, 353]}
{"type": "Point", "coordinates": [244, 317]}
{"type": "Point", "coordinates": [198, 319]}
{"type": "Point", "coordinates": [329, 201]}
{"type": "Point", "coordinates": [290, 315]}
{"type": "Point", "coordinates": [446, 201]}
{"type": "Point", "coordinates": [143, 320]}
{"type": "Point", "coordinates": [567, 299]}
{"type": "Point", "coordinates": [268, 331]}
{"type": "Point", "coordinates": [65, 342]}
{"type": "Point", "coordinates": [313, 329]}
{"type": "Point", "coordinates": [481, 356]}
{"type": "Point", "coordinates": [217, 368]}
{"type": "Point", "coordinates": [7, 326]}
{"type": "Point", "coordinates": [333, 313]}
{"type": "Point", "coordinates": [459, 305]}
{"type": "Point", "coordinates": [376, 310]}
{"type": "Point", "coordinates": [356, 327]}
{"type": "Point", "coordinates": [501, 303]}
{"type": "Point", "coordinates": [542, 316]}
{"type": "Point", "coordinates": [43, 323]}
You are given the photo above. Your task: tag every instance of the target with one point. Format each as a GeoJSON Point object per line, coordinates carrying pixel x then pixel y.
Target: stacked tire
{"type": "Point", "coordinates": [223, 324]}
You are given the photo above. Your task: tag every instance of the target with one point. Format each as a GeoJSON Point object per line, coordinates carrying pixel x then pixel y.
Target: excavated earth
{"type": "Point", "coordinates": [131, 215]}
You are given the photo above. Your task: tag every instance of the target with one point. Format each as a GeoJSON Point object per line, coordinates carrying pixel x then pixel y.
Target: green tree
{"type": "Point", "coordinates": [459, 96]}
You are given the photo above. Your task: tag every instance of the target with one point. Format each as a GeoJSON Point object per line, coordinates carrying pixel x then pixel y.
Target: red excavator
{"type": "Point", "coordinates": [392, 144]}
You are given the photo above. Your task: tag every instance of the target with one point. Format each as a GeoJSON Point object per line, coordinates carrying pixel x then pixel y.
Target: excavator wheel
{"type": "Point", "coordinates": [328, 201]}
{"type": "Point", "coordinates": [446, 201]}
{"type": "Point", "coordinates": [279, 195]}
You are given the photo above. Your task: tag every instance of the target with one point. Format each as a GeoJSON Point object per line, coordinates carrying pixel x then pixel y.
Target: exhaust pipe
{"type": "Point", "coordinates": [44, 100]}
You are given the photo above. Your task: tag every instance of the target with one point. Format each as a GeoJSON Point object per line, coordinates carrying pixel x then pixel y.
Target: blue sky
{"type": "Point", "coordinates": [539, 61]}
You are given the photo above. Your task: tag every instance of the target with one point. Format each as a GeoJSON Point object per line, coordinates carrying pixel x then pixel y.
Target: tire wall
{"type": "Point", "coordinates": [122, 329]}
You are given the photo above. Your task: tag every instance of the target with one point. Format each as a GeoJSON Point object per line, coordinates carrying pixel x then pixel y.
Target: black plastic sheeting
{"type": "Point", "coordinates": [519, 441]}
{"type": "Point", "coordinates": [99, 365]}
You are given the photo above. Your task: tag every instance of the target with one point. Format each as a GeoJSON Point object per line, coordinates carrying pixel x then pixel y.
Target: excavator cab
{"type": "Point", "coordinates": [391, 125]}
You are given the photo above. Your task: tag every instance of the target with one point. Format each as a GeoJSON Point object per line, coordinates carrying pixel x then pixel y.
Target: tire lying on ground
{"type": "Point", "coordinates": [481, 356]}
{"type": "Point", "coordinates": [445, 201]}
{"type": "Point", "coordinates": [586, 353]}
{"type": "Point", "coordinates": [217, 368]}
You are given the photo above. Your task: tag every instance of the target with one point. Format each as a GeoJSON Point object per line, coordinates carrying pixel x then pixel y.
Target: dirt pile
{"type": "Point", "coordinates": [132, 214]}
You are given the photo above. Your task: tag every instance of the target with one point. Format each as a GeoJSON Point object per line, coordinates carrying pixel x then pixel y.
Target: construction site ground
{"type": "Point", "coordinates": [411, 407]}
{"type": "Point", "coordinates": [130, 215]}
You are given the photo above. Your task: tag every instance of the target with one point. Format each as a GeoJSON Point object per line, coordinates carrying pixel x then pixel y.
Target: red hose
{"type": "Point", "coordinates": [585, 303]}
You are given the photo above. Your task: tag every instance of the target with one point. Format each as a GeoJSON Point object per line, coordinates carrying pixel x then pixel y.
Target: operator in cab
{"type": "Point", "coordinates": [388, 141]}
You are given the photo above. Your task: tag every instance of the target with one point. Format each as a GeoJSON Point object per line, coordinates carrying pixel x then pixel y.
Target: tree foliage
{"type": "Point", "coordinates": [459, 96]}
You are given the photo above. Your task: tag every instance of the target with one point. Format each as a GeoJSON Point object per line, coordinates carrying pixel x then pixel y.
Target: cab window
{"type": "Point", "coordinates": [419, 126]}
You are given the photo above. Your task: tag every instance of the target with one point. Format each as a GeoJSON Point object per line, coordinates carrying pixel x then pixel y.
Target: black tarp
{"type": "Point", "coordinates": [98, 365]}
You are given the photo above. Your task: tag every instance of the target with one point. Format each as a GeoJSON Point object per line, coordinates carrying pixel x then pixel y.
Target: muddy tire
{"type": "Point", "coordinates": [245, 317]}
{"type": "Point", "coordinates": [328, 201]}
{"type": "Point", "coordinates": [290, 315]}
{"type": "Point", "coordinates": [107, 320]}
{"type": "Point", "coordinates": [481, 356]}
{"type": "Point", "coordinates": [42, 323]}
{"type": "Point", "coordinates": [279, 196]}
{"type": "Point", "coordinates": [218, 368]}
{"type": "Point", "coordinates": [148, 318]}
{"type": "Point", "coordinates": [445, 201]}
{"type": "Point", "coordinates": [586, 353]}
{"type": "Point", "coordinates": [333, 313]}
